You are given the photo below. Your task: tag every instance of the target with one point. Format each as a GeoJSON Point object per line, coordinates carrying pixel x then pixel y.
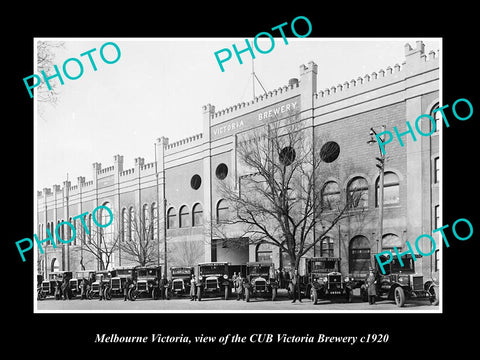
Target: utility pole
{"type": "Point", "coordinates": [381, 166]}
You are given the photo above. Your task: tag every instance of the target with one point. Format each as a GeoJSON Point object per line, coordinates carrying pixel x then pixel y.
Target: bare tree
{"type": "Point", "coordinates": [46, 52]}
{"type": "Point", "coordinates": [279, 199]}
{"type": "Point", "coordinates": [141, 243]}
{"type": "Point", "coordinates": [101, 243]}
{"type": "Point", "coordinates": [186, 253]}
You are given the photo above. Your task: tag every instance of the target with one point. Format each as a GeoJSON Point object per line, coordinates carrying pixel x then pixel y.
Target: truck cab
{"type": "Point", "coordinates": [48, 285]}
{"type": "Point", "coordinates": [181, 276]}
{"type": "Point", "coordinates": [147, 282]}
{"type": "Point", "coordinates": [401, 283]}
{"type": "Point", "coordinates": [119, 279]}
{"type": "Point", "coordinates": [214, 279]}
{"type": "Point", "coordinates": [260, 280]}
{"type": "Point", "coordinates": [323, 279]}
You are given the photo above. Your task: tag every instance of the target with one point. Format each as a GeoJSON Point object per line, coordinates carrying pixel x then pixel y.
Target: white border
{"type": "Point", "coordinates": [290, 311]}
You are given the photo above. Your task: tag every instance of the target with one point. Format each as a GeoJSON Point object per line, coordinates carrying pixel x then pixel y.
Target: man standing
{"type": "Point", "coordinates": [126, 288]}
{"type": "Point", "coordinates": [101, 288]}
{"type": "Point", "coordinates": [83, 289]}
{"type": "Point", "coordinates": [281, 277]}
{"type": "Point", "coordinates": [193, 288]}
{"type": "Point", "coordinates": [65, 289]}
{"type": "Point", "coordinates": [296, 286]}
{"type": "Point", "coordinates": [371, 288]}
{"type": "Point", "coordinates": [239, 287]}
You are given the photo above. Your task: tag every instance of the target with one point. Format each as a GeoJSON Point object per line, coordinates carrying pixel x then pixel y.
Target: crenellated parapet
{"type": "Point", "coordinates": [282, 90]}
{"type": "Point", "coordinates": [381, 75]}
{"type": "Point", "coordinates": [107, 170]}
{"type": "Point", "coordinates": [191, 140]}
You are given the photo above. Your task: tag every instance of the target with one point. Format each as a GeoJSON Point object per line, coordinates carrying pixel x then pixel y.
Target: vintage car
{"type": "Point", "coordinates": [102, 277]}
{"type": "Point", "coordinates": [146, 282]}
{"type": "Point", "coordinates": [323, 279]}
{"type": "Point", "coordinates": [214, 280]}
{"type": "Point", "coordinates": [75, 282]}
{"type": "Point", "coordinates": [260, 280]}
{"type": "Point", "coordinates": [181, 276]}
{"type": "Point", "coordinates": [48, 285]}
{"type": "Point", "coordinates": [40, 295]}
{"type": "Point", "coordinates": [401, 283]}
{"type": "Point", "coordinates": [118, 281]}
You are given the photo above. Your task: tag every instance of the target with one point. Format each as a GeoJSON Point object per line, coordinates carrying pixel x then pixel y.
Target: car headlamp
{"type": "Point", "coordinates": [225, 276]}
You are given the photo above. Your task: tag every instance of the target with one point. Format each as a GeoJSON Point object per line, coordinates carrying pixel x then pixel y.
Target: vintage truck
{"type": "Point", "coordinates": [260, 281]}
{"type": "Point", "coordinates": [401, 283]}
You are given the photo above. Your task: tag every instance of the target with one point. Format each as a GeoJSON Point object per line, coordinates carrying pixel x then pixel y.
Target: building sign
{"type": "Point", "coordinates": [255, 118]}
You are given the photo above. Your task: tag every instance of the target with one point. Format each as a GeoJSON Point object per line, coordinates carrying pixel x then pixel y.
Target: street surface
{"type": "Point", "coordinates": [283, 303]}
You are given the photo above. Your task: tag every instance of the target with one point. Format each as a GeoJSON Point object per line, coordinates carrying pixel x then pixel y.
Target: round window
{"type": "Point", "coordinates": [195, 182]}
{"type": "Point", "coordinates": [221, 171]}
{"type": "Point", "coordinates": [287, 155]}
{"type": "Point", "coordinates": [329, 151]}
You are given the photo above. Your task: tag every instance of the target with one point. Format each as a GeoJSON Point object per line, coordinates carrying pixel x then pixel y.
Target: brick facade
{"type": "Point", "coordinates": [343, 113]}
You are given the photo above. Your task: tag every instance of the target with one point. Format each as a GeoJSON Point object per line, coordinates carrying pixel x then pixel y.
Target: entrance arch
{"type": "Point", "coordinates": [54, 266]}
{"type": "Point", "coordinates": [359, 256]}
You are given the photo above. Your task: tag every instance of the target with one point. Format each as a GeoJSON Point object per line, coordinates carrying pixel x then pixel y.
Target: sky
{"type": "Point", "coordinates": [158, 87]}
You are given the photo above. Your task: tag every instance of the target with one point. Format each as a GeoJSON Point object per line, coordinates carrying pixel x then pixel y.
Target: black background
{"type": "Point", "coordinates": [424, 334]}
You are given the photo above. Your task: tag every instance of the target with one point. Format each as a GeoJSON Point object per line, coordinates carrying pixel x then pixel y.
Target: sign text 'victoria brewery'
{"type": "Point", "coordinates": [252, 120]}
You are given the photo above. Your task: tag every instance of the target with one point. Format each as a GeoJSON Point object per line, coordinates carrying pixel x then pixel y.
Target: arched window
{"type": "Point", "coordinates": [183, 217]}
{"type": "Point", "coordinates": [222, 211]}
{"type": "Point", "coordinates": [146, 220]}
{"type": "Point", "coordinates": [89, 225]}
{"type": "Point", "coordinates": [391, 189]}
{"type": "Point", "coordinates": [197, 215]}
{"type": "Point", "coordinates": [172, 218]}
{"type": "Point", "coordinates": [263, 253]}
{"type": "Point", "coordinates": [359, 256]}
{"type": "Point", "coordinates": [389, 241]}
{"type": "Point", "coordinates": [330, 195]}
{"type": "Point", "coordinates": [106, 231]}
{"type": "Point", "coordinates": [54, 266]}
{"type": "Point", "coordinates": [124, 224]}
{"type": "Point", "coordinates": [70, 231]}
{"type": "Point", "coordinates": [437, 116]}
{"type": "Point", "coordinates": [131, 223]}
{"type": "Point", "coordinates": [326, 247]}
{"type": "Point", "coordinates": [154, 218]}
{"type": "Point", "coordinates": [357, 193]}
{"type": "Point", "coordinates": [80, 230]}
{"type": "Point", "coordinates": [50, 227]}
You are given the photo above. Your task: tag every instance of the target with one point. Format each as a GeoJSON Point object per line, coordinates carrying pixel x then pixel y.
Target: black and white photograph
{"type": "Point", "coordinates": [268, 181]}
{"type": "Point", "coordinates": [277, 200]}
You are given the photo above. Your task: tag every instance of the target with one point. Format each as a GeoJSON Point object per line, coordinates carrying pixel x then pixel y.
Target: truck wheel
{"type": "Point", "coordinates": [107, 294]}
{"type": "Point", "coordinates": [274, 294]}
{"type": "Point", "coordinates": [89, 295]}
{"type": "Point", "coordinates": [199, 293]}
{"type": "Point", "coordinates": [399, 296]}
{"type": "Point", "coordinates": [363, 294]}
{"type": "Point", "coordinates": [314, 296]}
{"type": "Point", "coordinates": [132, 294]}
{"type": "Point", "coordinates": [247, 294]}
